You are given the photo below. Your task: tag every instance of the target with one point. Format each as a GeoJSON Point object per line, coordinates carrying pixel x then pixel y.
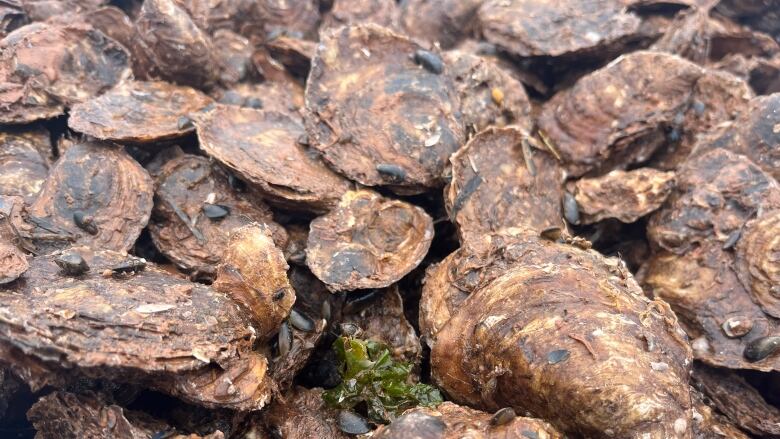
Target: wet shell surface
{"type": "Point", "coordinates": [139, 112]}
{"type": "Point", "coordinates": [370, 103]}
{"type": "Point", "coordinates": [367, 241]}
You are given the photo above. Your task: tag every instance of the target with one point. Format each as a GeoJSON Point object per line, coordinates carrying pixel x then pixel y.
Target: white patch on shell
{"type": "Point", "coordinates": [645, 407]}
{"type": "Point", "coordinates": [200, 355]}
{"type": "Point", "coordinates": [434, 139]}
{"type": "Point", "coordinates": [150, 308]}
{"type": "Point", "coordinates": [659, 367]}
{"type": "Point", "coordinates": [680, 426]}
{"type": "Point", "coordinates": [593, 37]}
{"type": "Point", "coordinates": [701, 345]}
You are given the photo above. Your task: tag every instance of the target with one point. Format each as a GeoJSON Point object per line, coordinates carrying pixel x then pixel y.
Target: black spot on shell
{"type": "Point", "coordinates": [72, 264]}
{"type": "Point", "coordinates": [429, 61]}
{"type": "Point", "coordinates": [132, 265]}
{"type": "Point", "coordinates": [284, 340]}
{"type": "Point", "coordinates": [761, 348]}
{"type": "Point", "coordinates": [236, 183]}
{"type": "Point", "coordinates": [300, 321]}
{"type": "Point", "coordinates": [558, 356]}
{"type": "Point", "coordinates": [698, 107]}
{"type": "Point", "coordinates": [394, 172]}
{"type": "Point", "coordinates": [85, 222]}
{"type": "Point", "coordinates": [571, 211]}
{"type": "Point", "coordinates": [464, 194]}
{"type": "Point", "coordinates": [347, 262]}
{"type": "Point", "coordinates": [503, 416]}
{"type": "Point", "coordinates": [732, 239]}
{"type": "Point", "coordinates": [215, 212]}
{"type": "Point", "coordinates": [352, 423]}
{"type": "Point", "coordinates": [552, 233]}
{"type": "Point", "coordinates": [358, 300]}
{"type": "Point", "coordinates": [255, 103]}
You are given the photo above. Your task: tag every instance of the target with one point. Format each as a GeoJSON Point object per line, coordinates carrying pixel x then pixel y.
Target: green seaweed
{"type": "Point", "coordinates": [371, 376]}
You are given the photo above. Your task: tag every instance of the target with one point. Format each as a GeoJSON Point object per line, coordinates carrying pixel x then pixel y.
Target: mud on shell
{"type": "Point", "coordinates": [368, 102]}
{"type": "Point", "coordinates": [33, 54]}
{"type": "Point", "coordinates": [484, 333]}
{"type": "Point", "coordinates": [199, 324]}
{"type": "Point", "coordinates": [25, 158]}
{"type": "Point", "coordinates": [605, 121]}
{"type": "Point", "coordinates": [97, 180]}
{"type": "Point", "coordinates": [180, 227]}
{"type": "Point", "coordinates": [491, 183]}
{"type": "Point", "coordinates": [262, 147]}
{"type": "Point", "coordinates": [562, 28]}
{"type": "Point", "coordinates": [367, 241]}
{"type": "Point", "coordinates": [139, 112]}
